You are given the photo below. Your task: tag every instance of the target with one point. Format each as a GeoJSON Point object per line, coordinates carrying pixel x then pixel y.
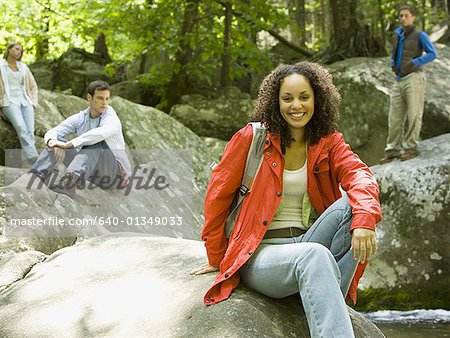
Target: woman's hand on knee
{"type": "Point", "coordinates": [364, 244]}
{"type": "Point", "coordinates": [205, 268]}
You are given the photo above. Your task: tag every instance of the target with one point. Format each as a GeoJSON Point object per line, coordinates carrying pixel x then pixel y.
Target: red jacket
{"type": "Point", "coordinates": [330, 163]}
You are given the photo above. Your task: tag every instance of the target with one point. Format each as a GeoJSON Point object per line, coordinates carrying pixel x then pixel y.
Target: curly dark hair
{"type": "Point", "coordinates": [326, 102]}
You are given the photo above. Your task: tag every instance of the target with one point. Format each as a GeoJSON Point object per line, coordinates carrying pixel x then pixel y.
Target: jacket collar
{"type": "Point", "coordinates": [275, 140]}
{"type": "Point", "coordinates": [20, 66]}
{"type": "Point", "coordinates": [314, 151]}
{"type": "Point", "coordinates": [401, 31]}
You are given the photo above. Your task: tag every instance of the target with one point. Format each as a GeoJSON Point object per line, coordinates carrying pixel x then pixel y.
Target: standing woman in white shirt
{"type": "Point", "coordinates": [19, 98]}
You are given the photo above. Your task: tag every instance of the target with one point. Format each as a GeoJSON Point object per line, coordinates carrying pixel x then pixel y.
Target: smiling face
{"type": "Point", "coordinates": [296, 101]}
{"type": "Point", "coordinates": [406, 18]}
{"type": "Point", "coordinates": [98, 102]}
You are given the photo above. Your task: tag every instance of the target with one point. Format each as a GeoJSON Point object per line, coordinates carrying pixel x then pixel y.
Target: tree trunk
{"type": "Point", "coordinates": [424, 8]}
{"type": "Point", "coordinates": [42, 44]}
{"type": "Point", "coordinates": [275, 34]}
{"type": "Point", "coordinates": [300, 19]}
{"type": "Point", "coordinates": [226, 58]}
{"type": "Point", "coordinates": [179, 82]}
{"type": "Point", "coordinates": [313, 19]}
{"type": "Point", "coordinates": [349, 38]}
{"type": "Point", "coordinates": [325, 22]}
{"type": "Point", "coordinates": [381, 21]}
{"type": "Point", "coordinates": [101, 48]}
{"type": "Point", "coordinates": [445, 39]}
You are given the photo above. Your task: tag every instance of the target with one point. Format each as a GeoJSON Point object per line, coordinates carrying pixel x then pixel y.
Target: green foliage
{"type": "Point", "coordinates": [137, 28]}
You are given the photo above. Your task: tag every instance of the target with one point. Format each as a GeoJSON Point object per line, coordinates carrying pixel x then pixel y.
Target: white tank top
{"type": "Point", "coordinates": [289, 212]}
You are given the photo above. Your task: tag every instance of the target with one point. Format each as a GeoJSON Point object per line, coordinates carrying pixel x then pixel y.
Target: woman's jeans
{"type": "Point", "coordinates": [22, 119]}
{"type": "Point", "coordinates": [313, 265]}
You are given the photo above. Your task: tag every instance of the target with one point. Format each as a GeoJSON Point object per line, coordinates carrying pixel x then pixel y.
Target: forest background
{"type": "Point", "coordinates": [193, 46]}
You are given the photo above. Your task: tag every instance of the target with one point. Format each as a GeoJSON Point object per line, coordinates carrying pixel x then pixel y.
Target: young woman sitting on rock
{"type": "Point", "coordinates": [18, 98]}
{"type": "Point", "coordinates": [277, 247]}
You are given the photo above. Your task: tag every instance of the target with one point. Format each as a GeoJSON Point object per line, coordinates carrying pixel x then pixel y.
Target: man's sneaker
{"type": "Point", "coordinates": [67, 184]}
{"type": "Point", "coordinates": [388, 158]}
{"type": "Point", "coordinates": [409, 154]}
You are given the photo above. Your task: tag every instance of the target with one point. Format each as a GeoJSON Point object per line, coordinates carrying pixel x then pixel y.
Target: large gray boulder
{"type": "Point", "coordinates": [140, 286]}
{"type": "Point", "coordinates": [147, 128]}
{"type": "Point", "coordinates": [14, 267]}
{"type": "Point", "coordinates": [171, 212]}
{"type": "Point", "coordinates": [76, 68]}
{"type": "Point", "coordinates": [216, 147]}
{"type": "Point", "coordinates": [144, 128]}
{"type": "Point", "coordinates": [365, 85]}
{"type": "Point", "coordinates": [18, 202]}
{"type": "Point", "coordinates": [130, 90]}
{"type": "Point", "coordinates": [8, 139]}
{"type": "Point", "coordinates": [43, 74]}
{"type": "Point", "coordinates": [154, 140]}
{"type": "Point", "coordinates": [218, 116]}
{"type": "Point", "coordinates": [64, 105]}
{"type": "Point", "coordinates": [411, 269]}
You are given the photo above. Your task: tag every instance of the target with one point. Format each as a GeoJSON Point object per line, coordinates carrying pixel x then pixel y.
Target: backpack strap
{"type": "Point", "coordinates": [253, 163]}
{"type": "Point", "coordinates": [254, 158]}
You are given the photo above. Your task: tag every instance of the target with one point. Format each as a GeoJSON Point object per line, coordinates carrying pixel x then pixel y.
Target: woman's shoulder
{"type": "Point", "coordinates": [331, 139]}
{"type": "Point", "coordinates": [242, 138]}
{"type": "Point", "coordinates": [245, 132]}
{"type": "Point", "coordinates": [23, 65]}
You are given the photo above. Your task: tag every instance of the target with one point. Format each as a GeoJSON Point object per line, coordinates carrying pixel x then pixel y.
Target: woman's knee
{"type": "Point", "coordinates": [317, 251]}
{"type": "Point", "coordinates": [21, 130]}
{"type": "Point", "coordinates": [316, 259]}
{"type": "Point", "coordinates": [312, 253]}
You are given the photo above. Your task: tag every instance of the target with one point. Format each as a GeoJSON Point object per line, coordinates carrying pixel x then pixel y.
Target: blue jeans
{"type": "Point", "coordinates": [22, 119]}
{"type": "Point", "coordinates": [332, 229]}
{"type": "Point", "coordinates": [311, 264]}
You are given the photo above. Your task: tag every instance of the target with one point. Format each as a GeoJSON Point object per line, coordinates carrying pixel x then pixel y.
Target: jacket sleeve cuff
{"type": "Point", "coordinates": [76, 142]}
{"type": "Point", "coordinates": [214, 260]}
{"type": "Point", "coordinates": [363, 220]}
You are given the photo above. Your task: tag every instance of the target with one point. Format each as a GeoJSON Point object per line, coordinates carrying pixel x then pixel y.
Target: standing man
{"type": "Point", "coordinates": [101, 160]}
{"type": "Point", "coordinates": [408, 92]}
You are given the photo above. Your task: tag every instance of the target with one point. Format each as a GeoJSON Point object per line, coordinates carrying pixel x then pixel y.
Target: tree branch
{"type": "Point", "coordinates": [275, 34]}
{"type": "Point", "coordinates": [289, 44]}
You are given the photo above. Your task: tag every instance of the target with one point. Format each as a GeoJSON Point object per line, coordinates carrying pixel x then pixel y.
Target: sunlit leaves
{"type": "Point", "coordinates": [153, 28]}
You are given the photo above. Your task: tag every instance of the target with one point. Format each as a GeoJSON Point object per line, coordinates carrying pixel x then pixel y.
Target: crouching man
{"type": "Point", "coordinates": [101, 160]}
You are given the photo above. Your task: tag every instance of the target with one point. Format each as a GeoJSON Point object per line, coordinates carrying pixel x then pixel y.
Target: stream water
{"type": "Point", "coordinates": [412, 324]}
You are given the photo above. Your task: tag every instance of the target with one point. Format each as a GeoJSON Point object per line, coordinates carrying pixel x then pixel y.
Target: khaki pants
{"type": "Point", "coordinates": [407, 101]}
